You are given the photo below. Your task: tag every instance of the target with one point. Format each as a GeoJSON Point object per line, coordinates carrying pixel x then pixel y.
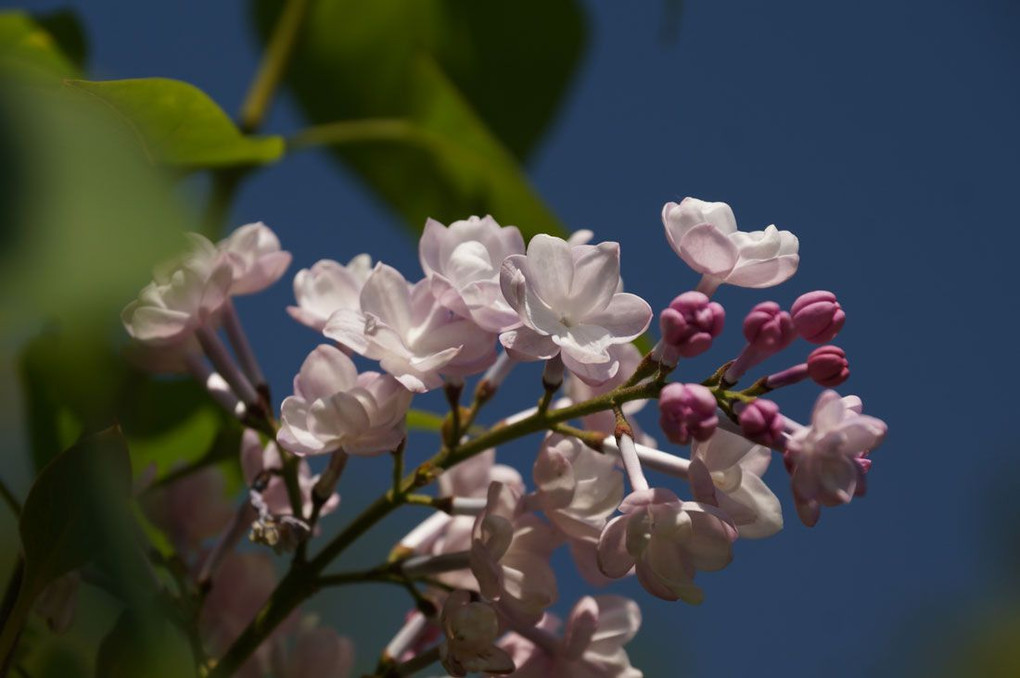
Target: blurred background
{"type": "Point", "coordinates": [884, 134]}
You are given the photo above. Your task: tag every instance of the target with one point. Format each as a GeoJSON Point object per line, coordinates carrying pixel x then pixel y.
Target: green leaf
{"type": "Point", "coordinates": [147, 645]}
{"type": "Point", "coordinates": [179, 125]}
{"type": "Point", "coordinates": [470, 97]}
{"type": "Point", "coordinates": [420, 420]}
{"type": "Point", "coordinates": [28, 47]}
{"type": "Point", "coordinates": [71, 507]}
{"type": "Point", "coordinates": [67, 30]}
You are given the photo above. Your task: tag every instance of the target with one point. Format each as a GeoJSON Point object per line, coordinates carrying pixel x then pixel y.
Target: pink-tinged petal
{"type": "Point", "coordinates": [429, 246]}
{"type": "Point", "coordinates": [596, 277]}
{"type": "Point", "coordinates": [754, 494]}
{"type": "Point", "coordinates": [759, 274]}
{"type": "Point", "coordinates": [512, 281]}
{"type": "Point", "coordinates": [526, 344]}
{"type": "Point", "coordinates": [347, 327]}
{"type": "Point", "coordinates": [828, 412]}
{"type": "Point", "coordinates": [217, 289]}
{"type": "Point", "coordinates": [387, 296]}
{"type": "Point", "coordinates": [294, 434]}
{"type": "Point", "coordinates": [554, 477]}
{"type": "Point", "coordinates": [324, 372]}
{"type": "Point", "coordinates": [679, 219]}
{"type": "Point", "coordinates": [585, 557]}
{"type": "Point", "coordinates": [706, 250]}
{"type": "Point", "coordinates": [586, 344]}
{"type": "Point", "coordinates": [808, 511]}
{"type": "Point", "coordinates": [619, 620]}
{"type": "Point", "coordinates": [338, 417]}
{"type": "Point", "coordinates": [654, 495]}
{"type": "Point", "coordinates": [613, 558]}
{"type": "Point", "coordinates": [592, 374]}
{"type": "Point", "coordinates": [626, 317]}
{"type": "Point", "coordinates": [152, 324]}
{"type": "Point", "coordinates": [447, 295]}
{"type": "Point", "coordinates": [582, 624]}
{"type": "Point", "coordinates": [550, 269]}
{"type": "Point", "coordinates": [722, 450]}
{"type": "Point", "coordinates": [702, 486]}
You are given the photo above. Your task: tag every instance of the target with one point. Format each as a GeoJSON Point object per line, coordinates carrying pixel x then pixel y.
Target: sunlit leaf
{"type": "Point", "coordinates": [471, 92]}
{"type": "Point", "coordinates": [179, 125]}
{"type": "Point", "coordinates": [27, 46]}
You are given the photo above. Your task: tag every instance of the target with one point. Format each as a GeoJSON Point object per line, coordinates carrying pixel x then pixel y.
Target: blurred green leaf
{"type": "Point", "coordinates": [66, 28]}
{"type": "Point", "coordinates": [420, 420]}
{"type": "Point", "coordinates": [144, 645]}
{"type": "Point", "coordinates": [27, 46]}
{"type": "Point", "coordinates": [63, 524]}
{"type": "Point", "coordinates": [178, 124]}
{"type": "Point", "coordinates": [473, 96]}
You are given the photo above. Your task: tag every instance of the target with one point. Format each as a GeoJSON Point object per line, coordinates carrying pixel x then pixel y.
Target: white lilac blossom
{"type": "Point", "coordinates": [566, 297]}
{"type": "Point", "coordinates": [735, 466]}
{"type": "Point", "coordinates": [462, 263]}
{"type": "Point", "coordinates": [705, 236]}
{"type": "Point", "coordinates": [509, 556]}
{"type": "Point", "coordinates": [666, 541]}
{"type": "Point", "coordinates": [413, 338]}
{"type": "Point", "coordinates": [182, 297]}
{"type": "Point", "coordinates": [592, 643]}
{"type": "Point", "coordinates": [334, 407]}
{"type": "Point", "coordinates": [578, 489]}
{"type": "Point", "coordinates": [255, 257]}
{"type": "Point", "coordinates": [828, 459]}
{"type": "Point", "coordinates": [265, 464]}
{"type": "Point", "coordinates": [470, 629]}
{"type": "Point", "coordinates": [327, 287]}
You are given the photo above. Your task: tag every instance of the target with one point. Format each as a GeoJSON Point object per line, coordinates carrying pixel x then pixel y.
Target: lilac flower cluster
{"type": "Point", "coordinates": [479, 565]}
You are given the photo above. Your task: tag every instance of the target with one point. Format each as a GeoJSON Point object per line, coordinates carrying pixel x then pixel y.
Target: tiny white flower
{"type": "Point", "coordinates": [257, 260]}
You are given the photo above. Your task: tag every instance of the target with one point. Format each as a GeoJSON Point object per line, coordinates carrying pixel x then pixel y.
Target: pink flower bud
{"type": "Point", "coordinates": [761, 422]}
{"type": "Point", "coordinates": [768, 329]}
{"type": "Point", "coordinates": [818, 316]}
{"type": "Point", "coordinates": [687, 411]}
{"type": "Point", "coordinates": [827, 366]}
{"type": "Point", "coordinates": [690, 322]}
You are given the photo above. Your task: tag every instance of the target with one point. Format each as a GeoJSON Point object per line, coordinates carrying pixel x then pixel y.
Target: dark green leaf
{"type": "Point", "coordinates": [472, 85]}
{"type": "Point", "coordinates": [144, 644]}
{"type": "Point", "coordinates": [73, 507]}
{"type": "Point", "coordinates": [179, 125]}
{"type": "Point", "coordinates": [28, 47]}
{"type": "Point", "coordinates": [66, 29]}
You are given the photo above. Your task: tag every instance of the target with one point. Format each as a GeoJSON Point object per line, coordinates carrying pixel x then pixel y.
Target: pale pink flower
{"type": "Point", "coordinates": [705, 236]}
{"type": "Point", "coordinates": [183, 296]}
{"type": "Point", "coordinates": [462, 263]}
{"type": "Point", "coordinates": [255, 256]}
{"type": "Point", "coordinates": [591, 646]}
{"type": "Point", "coordinates": [318, 652]}
{"type": "Point", "coordinates": [509, 556]}
{"type": "Point", "coordinates": [413, 338]}
{"type": "Point", "coordinates": [327, 287]}
{"type": "Point", "coordinates": [258, 460]}
{"type": "Point", "coordinates": [334, 407]}
{"type": "Point", "coordinates": [578, 489]}
{"type": "Point", "coordinates": [827, 460]}
{"type": "Point", "coordinates": [470, 630]}
{"type": "Point", "coordinates": [566, 297]}
{"type": "Point", "coordinates": [666, 540]}
{"type": "Point", "coordinates": [736, 466]}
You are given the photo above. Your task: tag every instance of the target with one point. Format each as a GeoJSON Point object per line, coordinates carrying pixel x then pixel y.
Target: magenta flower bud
{"type": "Point", "coordinates": [818, 316]}
{"type": "Point", "coordinates": [761, 422]}
{"type": "Point", "coordinates": [768, 329]}
{"type": "Point", "coordinates": [827, 366]}
{"type": "Point", "coordinates": [691, 322]}
{"type": "Point", "coordinates": [687, 411]}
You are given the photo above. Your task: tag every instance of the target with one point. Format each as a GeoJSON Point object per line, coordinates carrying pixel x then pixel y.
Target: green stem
{"type": "Point", "coordinates": [354, 131]}
{"type": "Point", "coordinates": [9, 499]}
{"type": "Point", "coordinates": [274, 64]}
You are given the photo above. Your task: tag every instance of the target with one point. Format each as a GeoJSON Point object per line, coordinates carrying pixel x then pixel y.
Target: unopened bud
{"type": "Point", "coordinates": [827, 365]}
{"type": "Point", "coordinates": [817, 316]}
{"type": "Point", "coordinates": [761, 422]}
{"type": "Point", "coordinates": [691, 322]}
{"type": "Point", "coordinates": [687, 411]}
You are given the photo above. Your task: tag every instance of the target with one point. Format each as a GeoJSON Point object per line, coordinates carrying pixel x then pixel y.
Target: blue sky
{"type": "Point", "coordinates": [883, 134]}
